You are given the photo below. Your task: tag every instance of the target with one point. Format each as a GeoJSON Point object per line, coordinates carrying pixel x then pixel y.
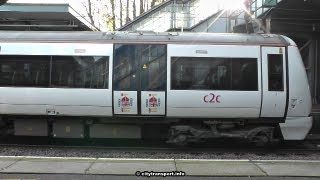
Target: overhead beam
{"type": "Point", "coordinates": [45, 26]}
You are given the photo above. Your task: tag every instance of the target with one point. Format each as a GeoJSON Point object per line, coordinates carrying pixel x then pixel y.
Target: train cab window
{"type": "Point", "coordinates": [24, 71]}
{"type": "Point", "coordinates": [80, 72]}
{"type": "Point", "coordinates": [275, 72]}
{"type": "Point", "coordinates": [191, 73]}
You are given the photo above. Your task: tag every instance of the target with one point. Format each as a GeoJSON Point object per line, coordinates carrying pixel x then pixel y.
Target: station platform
{"type": "Point", "coordinates": [159, 167]}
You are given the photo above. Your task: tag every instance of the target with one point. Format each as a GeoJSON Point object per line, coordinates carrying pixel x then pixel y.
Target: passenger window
{"type": "Point", "coordinates": [25, 71]}
{"type": "Point", "coordinates": [66, 71]}
{"type": "Point", "coordinates": [275, 72]}
{"type": "Point", "coordinates": [80, 72]}
{"type": "Point", "coordinates": [214, 73]}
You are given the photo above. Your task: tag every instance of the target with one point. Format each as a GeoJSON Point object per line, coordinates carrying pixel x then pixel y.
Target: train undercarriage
{"type": "Point", "coordinates": [178, 132]}
{"type": "Point", "coordinates": [259, 135]}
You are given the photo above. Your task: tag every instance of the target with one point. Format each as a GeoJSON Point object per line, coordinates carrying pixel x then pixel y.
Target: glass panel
{"type": "Point", "coordinates": [275, 72]}
{"type": "Point", "coordinates": [214, 73]}
{"type": "Point", "coordinates": [153, 73]}
{"type": "Point", "coordinates": [140, 67]}
{"type": "Point", "coordinates": [270, 2]}
{"type": "Point", "coordinates": [125, 68]}
{"type": "Point", "coordinates": [26, 71]}
{"type": "Point", "coordinates": [244, 74]}
{"type": "Point", "coordinates": [80, 72]}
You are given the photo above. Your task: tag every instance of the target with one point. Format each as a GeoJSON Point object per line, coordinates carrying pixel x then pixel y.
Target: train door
{"type": "Point", "coordinates": [274, 87]}
{"type": "Point", "coordinates": [139, 79]}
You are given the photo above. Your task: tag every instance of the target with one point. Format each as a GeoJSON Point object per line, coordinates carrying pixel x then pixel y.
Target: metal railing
{"type": "Point", "coordinates": [259, 7]}
{"type": "Point", "coordinates": [176, 15]}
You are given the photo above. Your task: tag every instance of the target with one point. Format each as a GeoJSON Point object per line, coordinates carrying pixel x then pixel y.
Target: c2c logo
{"type": "Point", "coordinates": [211, 98]}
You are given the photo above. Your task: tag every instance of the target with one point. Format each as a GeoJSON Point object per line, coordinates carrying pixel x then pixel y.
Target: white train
{"type": "Point", "coordinates": [182, 86]}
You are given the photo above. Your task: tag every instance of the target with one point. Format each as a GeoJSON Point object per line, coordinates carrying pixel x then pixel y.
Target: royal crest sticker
{"type": "Point", "coordinates": [153, 103]}
{"type": "Point", "coordinates": [125, 102]}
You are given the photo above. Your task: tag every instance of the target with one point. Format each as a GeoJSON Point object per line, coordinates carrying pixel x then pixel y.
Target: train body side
{"type": "Point", "coordinates": [191, 100]}
{"type": "Point", "coordinates": [36, 98]}
{"type": "Point", "coordinates": [196, 100]}
{"type": "Point", "coordinates": [298, 121]}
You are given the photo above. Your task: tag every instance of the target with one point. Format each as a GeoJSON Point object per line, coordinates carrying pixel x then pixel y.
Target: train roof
{"type": "Point", "coordinates": [150, 37]}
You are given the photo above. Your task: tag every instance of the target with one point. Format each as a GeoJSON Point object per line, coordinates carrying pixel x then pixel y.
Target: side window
{"type": "Point", "coordinates": [80, 72]}
{"type": "Point", "coordinates": [275, 72]}
{"type": "Point", "coordinates": [214, 73]}
{"type": "Point", "coordinates": [25, 71]}
{"type": "Point", "coordinates": [182, 73]}
{"type": "Point", "coordinates": [244, 74]}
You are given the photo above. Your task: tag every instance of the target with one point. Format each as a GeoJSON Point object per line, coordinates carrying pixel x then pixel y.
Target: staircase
{"type": "Point", "coordinates": [259, 7]}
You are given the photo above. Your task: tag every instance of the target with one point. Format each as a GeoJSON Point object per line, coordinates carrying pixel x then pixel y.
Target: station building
{"type": "Point", "coordinates": [42, 17]}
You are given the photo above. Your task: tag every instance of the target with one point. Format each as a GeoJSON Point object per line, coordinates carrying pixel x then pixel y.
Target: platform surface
{"type": "Point", "coordinates": [191, 167]}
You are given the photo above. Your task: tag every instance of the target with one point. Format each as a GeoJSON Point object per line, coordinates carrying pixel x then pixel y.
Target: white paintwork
{"type": "Point", "coordinates": [290, 41]}
{"type": "Point", "coordinates": [273, 102]}
{"type": "Point", "coordinates": [130, 106]}
{"type": "Point", "coordinates": [188, 103]}
{"type": "Point", "coordinates": [300, 103]}
{"type": "Point", "coordinates": [25, 109]}
{"type": "Point", "coordinates": [213, 51]}
{"type": "Point", "coordinates": [58, 110]}
{"type": "Point", "coordinates": [297, 124]}
{"type": "Point", "coordinates": [191, 103]}
{"type": "Point", "coordinates": [55, 96]}
{"type": "Point", "coordinates": [83, 110]}
{"type": "Point", "coordinates": [229, 112]}
{"type": "Point", "coordinates": [63, 101]}
{"type": "Point", "coordinates": [68, 49]}
{"type": "Point", "coordinates": [296, 128]}
{"type": "Point", "coordinates": [155, 108]}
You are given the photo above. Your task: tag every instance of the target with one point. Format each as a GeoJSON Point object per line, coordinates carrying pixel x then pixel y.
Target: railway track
{"type": "Point", "coordinates": [220, 148]}
{"type": "Point", "coordinates": [292, 147]}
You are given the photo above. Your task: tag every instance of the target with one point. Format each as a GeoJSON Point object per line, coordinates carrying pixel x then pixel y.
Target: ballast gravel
{"type": "Point", "coordinates": [154, 154]}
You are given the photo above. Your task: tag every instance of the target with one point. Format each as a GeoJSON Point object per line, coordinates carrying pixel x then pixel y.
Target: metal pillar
{"type": "Point", "coordinates": [268, 25]}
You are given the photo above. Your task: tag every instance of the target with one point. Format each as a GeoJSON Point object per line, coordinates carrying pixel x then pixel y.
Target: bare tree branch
{"type": "Point", "coordinates": [127, 12]}
{"type": "Point", "coordinates": [134, 11]}
{"type": "Point", "coordinates": [121, 11]}
{"type": "Point", "coordinates": [113, 18]}
{"type": "Point", "coordinates": [90, 13]}
{"type": "Point", "coordinates": [141, 7]}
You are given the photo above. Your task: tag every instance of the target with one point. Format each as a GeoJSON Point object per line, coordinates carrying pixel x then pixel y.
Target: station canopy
{"type": "Point", "coordinates": [42, 17]}
{"type": "Point", "coordinates": [293, 17]}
